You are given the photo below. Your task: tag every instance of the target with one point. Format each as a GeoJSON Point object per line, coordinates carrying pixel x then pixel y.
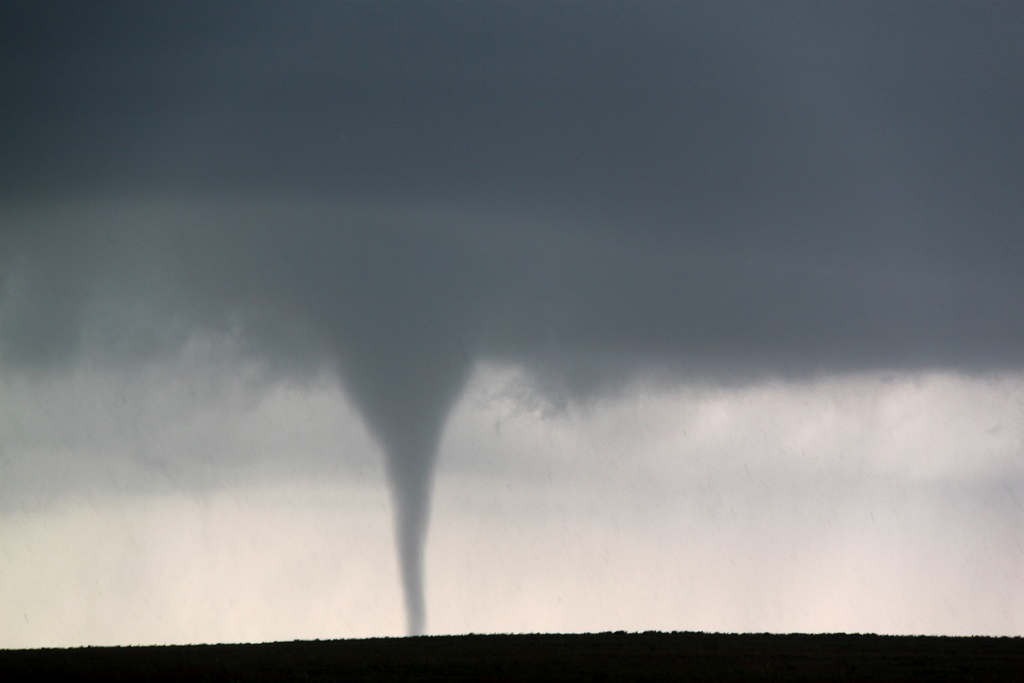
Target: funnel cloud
{"type": "Point", "coordinates": [404, 375]}
{"type": "Point", "coordinates": [397, 194]}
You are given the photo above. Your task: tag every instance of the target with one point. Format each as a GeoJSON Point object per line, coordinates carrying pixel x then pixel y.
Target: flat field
{"type": "Point", "coordinates": [588, 657]}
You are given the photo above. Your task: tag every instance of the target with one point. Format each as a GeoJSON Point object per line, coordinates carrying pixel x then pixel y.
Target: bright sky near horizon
{"type": "Point", "coordinates": [869, 504]}
{"type": "Point", "coordinates": [331, 320]}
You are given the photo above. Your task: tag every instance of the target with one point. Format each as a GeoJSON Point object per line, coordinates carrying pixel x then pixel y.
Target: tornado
{"type": "Point", "coordinates": [404, 369]}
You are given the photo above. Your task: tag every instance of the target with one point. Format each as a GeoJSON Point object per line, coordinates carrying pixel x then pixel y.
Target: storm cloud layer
{"type": "Point", "coordinates": [398, 192]}
{"type": "Point", "coordinates": [799, 187]}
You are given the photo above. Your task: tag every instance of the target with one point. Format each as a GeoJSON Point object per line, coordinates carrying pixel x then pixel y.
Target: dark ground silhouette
{"type": "Point", "coordinates": [592, 657]}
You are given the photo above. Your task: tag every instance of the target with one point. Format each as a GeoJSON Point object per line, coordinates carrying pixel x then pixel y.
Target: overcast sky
{"type": "Point", "coordinates": [702, 316]}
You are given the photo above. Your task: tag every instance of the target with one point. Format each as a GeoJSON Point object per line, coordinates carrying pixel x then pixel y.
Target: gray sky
{"type": "Point", "coordinates": [245, 247]}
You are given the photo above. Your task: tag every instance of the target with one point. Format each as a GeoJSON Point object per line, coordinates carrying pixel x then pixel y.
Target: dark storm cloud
{"type": "Point", "coordinates": [397, 191]}
{"type": "Point", "coordinates": [793, 186]}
